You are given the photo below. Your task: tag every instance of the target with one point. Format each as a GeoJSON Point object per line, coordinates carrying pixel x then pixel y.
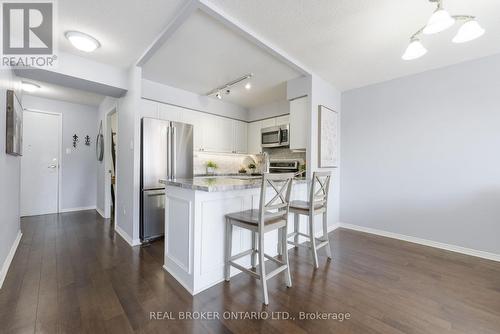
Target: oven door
{"type": "Point", "coordinates": [271, 137]}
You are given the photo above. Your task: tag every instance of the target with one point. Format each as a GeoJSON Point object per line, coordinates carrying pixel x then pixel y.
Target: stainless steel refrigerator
{"type": "Point", "coordinates": [166, 153]}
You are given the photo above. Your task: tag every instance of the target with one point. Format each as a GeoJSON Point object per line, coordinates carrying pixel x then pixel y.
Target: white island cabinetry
{"type": "Point", "coordinates": [195, 230]}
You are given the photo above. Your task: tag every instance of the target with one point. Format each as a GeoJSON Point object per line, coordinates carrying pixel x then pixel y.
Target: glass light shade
{"type": "Point", "coordinates": [439, 21]}
{"type": "Point", "coordinates": [414, 50]}
{"type": "Point", "coordinates": [469, 31]}
{"type": "Point", "coordinates": [82, 41]}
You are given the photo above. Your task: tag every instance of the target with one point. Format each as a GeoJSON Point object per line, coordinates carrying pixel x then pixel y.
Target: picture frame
{"type": "Point", "coordinates": [328, 121]}
{"type": "Point", "coordinates": [14, 125]}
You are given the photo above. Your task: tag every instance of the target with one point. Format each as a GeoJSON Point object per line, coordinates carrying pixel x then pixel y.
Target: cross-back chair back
{"type": "Point", "coordinates": [279, 202]}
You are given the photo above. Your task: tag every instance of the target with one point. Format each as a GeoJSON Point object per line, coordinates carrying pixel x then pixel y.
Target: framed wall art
{"type": "Point", "coordinates": [328, 137]}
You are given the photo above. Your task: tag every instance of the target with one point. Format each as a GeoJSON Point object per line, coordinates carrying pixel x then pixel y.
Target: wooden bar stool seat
{"type": "Point", "coordinates": [271, 215]}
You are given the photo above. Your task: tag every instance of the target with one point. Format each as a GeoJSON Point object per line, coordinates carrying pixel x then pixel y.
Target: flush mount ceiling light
{"type": "Point", "coordinates": [248, 86]}
{"type": "Point", "coordinates": [82, 41]}
{"type": "Point", "coordinates": [439, 21]}
{"type": "Point", "coordinates": [30, 87]}
{"type": "Point", "coordinates": [226, 87]}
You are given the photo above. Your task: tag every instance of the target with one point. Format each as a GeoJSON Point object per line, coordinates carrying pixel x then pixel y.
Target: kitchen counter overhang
{"type": "Point", "coordinates": [220, 183]}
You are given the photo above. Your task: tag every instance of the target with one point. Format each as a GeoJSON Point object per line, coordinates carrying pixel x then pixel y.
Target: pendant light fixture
{"type": "Point", "coordinates": [469, 31]}
{"type": "Point", "coordinates": [415, 50]}
{"type": "Point", "coordinates": [439, 21]}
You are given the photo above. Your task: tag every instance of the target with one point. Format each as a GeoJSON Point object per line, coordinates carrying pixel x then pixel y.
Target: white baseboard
{"type": "Point", "coordinates": [10, 256]}
{"type": "Point", "coordinates": [179, 281]}
{"type": "Point", "coordinates": [77, 209]}
{"type": "Point", "coordinates": [99, 211]}
{"type": "Point", "coordinates": [127, 237]}
{"type": "Point", "coordinates": [425, 242]}
{"type": "Point", "coordinates": [332, 228]}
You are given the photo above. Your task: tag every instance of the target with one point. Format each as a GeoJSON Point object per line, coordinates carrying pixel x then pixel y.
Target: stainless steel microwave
{"type": "Point", "coordinates": [276, 136]}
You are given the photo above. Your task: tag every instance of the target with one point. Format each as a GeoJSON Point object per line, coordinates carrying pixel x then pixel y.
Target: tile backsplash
{"type": "Point", "coordinates": [226, 163]}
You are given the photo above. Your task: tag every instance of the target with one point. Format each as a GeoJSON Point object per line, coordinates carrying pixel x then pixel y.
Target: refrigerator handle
{"type": "Point", "coordinates": [174, 153]}
{"type": "Point", "coordinates": [169, 154]}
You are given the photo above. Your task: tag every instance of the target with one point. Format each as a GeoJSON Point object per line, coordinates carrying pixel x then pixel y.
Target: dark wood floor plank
{"type": "Point", "coordinates": [73, 274]}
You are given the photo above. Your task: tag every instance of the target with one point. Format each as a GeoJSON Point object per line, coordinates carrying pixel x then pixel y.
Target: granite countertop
{"type": "Point", "coordinates": [220, 183]}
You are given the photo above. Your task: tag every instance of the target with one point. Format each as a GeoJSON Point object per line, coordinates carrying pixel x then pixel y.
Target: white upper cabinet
{"type": "Point", "coordinates": [240, 136]}
{"type": "Point", "coordinates": [149, 108]}
{"type": "Point", "coordinates": [211, 133]}
{"type": "Point", "coordinates": [170, 113]}
{"type": "Point", "coordinates": [254, 137]}
{"type": "Point", "coordinates": [266, 123]}
{"type": "Point", "coordinates": [299, 110]}
{"type": "Point", "coordinates": [196, 119]}
{"type": "Point", "coordinates": [218, 134]}
{"type": "Point", "coordinates": [283, 120]}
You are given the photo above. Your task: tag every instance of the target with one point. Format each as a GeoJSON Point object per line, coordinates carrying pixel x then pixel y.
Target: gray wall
{"type": "Point", "coordinates": [128, 159]}
{"type": "Point", "coordinates": [420, 155]}
{"type": "Point", "coordinates": [78, 169]}
{"type": "Point", "coordinates": [103, 182]}
{"type": "Point", "coordinates": [10, 169]}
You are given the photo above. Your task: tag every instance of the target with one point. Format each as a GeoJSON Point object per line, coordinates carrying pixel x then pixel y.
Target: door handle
{"type": "Point", "coordinates": [52, 166]}
{"type": "Point", "coordinates": [174, 153]}
{"type": "Point", "coordinates": [169, 154]}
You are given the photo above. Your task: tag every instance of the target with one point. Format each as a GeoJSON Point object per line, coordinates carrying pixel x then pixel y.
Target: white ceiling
{"type": "Point", "coordinates": [124, 28]}
{"type": "Point", "coordinates": [353, 43]}
{"type": "Point", "coordinates": [350, 43]}
{"type": "Point", "coordinates": [62, 93]}
{"type": "Point", "coordinates": [203, 54]}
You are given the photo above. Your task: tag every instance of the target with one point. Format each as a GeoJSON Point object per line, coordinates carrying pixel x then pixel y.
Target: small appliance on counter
{"type": "Point", "coordinates": [284, 166]}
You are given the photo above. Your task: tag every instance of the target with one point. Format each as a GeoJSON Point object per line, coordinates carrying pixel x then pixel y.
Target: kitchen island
{"type": "Point", "coordinates": [195, 212]}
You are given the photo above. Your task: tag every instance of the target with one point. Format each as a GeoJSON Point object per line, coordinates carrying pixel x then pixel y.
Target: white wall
{"type": "Point", "coordinates": [276, 108]}
{"type": "Point", "coordinates": [182, 98]}
{"type": "Point", "coordinates": [78, 169]}
{"type": "Point", "coordinates": [10, 170]}
{"type": "Point", "coordinates": [420, 155]}
{"type": "Point", "coordinates": [128, 160]}
{"type": "Point", "coordinates": [103, 195]}
{"type": "Point", "coordinates": [322, 93]}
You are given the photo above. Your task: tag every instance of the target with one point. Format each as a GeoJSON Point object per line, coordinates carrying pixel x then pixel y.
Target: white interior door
{"type": "Point", "coordinates": [40, 163]}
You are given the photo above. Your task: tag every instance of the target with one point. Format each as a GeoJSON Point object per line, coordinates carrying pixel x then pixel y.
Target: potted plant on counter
{"type": "Point", "coordinates": [211, 167]}
{"type": "Point", "coordinates": [251, 168]}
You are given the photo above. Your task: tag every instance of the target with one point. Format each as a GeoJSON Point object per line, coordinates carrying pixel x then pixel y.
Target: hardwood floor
{"type": "Point", "coordinates": [73, 274]}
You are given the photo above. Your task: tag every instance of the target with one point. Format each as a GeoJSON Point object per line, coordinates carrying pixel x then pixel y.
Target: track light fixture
{"type": "Point", "coordinates": [439, 21]}
{"type": "Point", "coordinates": [226, 87]}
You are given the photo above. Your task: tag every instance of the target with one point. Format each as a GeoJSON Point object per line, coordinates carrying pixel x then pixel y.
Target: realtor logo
{"type": "Point", "coordinates": [28, 34]}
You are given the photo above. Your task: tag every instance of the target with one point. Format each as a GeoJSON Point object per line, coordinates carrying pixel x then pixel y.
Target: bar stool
{"type": "Point", "coordinates": [317, 204]}
{"type": "Point", "coordinates": [271, 215]}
